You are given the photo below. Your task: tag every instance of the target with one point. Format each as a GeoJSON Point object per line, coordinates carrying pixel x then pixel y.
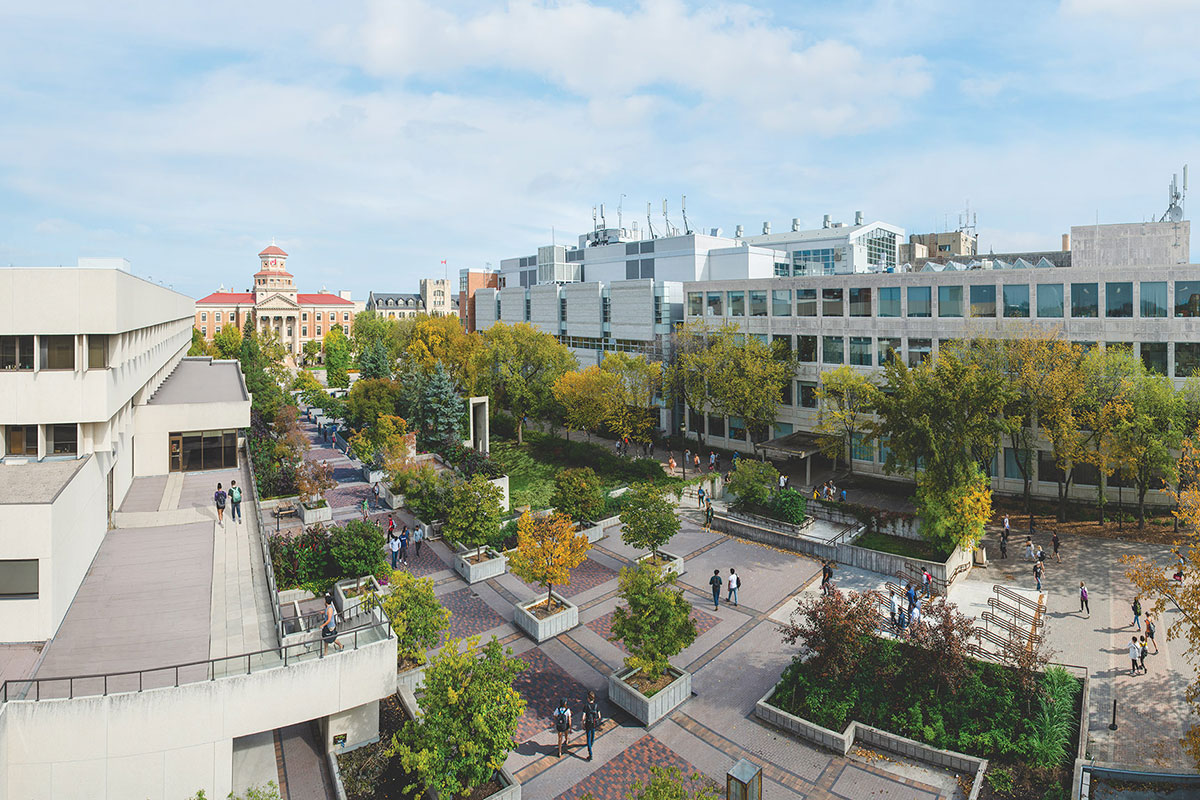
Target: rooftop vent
{"type": "Point", "coordinates": [795, 224]}
{"type": "Point", "coordinates": [766, 227]}
{"type": "Point", "coordinates": [826, 222]}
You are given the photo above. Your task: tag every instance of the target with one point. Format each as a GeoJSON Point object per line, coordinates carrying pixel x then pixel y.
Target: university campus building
{"type": "Point", "coordinates": [434, 299]}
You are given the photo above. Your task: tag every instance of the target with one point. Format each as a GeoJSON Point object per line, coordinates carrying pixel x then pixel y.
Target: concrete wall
{"type": "Point", "coordinates": [154, 423]}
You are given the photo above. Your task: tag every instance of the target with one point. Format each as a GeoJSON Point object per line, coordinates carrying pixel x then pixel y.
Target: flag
{"type": "Point", "coordinates": [443, 261]}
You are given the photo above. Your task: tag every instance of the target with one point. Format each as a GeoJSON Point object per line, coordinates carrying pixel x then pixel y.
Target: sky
{"type": "Point", "coordinates": [372, 140]}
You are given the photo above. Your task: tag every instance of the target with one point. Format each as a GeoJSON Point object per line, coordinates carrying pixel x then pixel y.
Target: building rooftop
{"type": "Point", "coordinates": [322, 299]}
{"type": "Point", "coordinates": [272, 250]}
{"type": "Point", "coordinates": [202, 380]}
{"type": "Point", "coordinates": [227, 298]}
{"type": "Point", "coordinates": [36, 481]}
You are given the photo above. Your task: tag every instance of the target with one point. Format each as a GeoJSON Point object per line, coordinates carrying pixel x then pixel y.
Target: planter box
{"type": "Point", "coordinates": [474, 573]}
{"type": "Point", "coordinates": [411, 679]}
{"type": "Point", "coordinates": [594, 532]}
{"type": "Point", "coordinates": [674, 562]}
{"type": "Point", "coordinates": [371, 475]}
{"type": "Point", "coordinates": [349, 606]}
{"type": "Point", "coordinates": [310, 516]}
{"type": "Point", "coordinates": [649, 710]}
{"type": "Point", "coordinates": [393, 500]}
{"type": "Point", "coordinates": [542, 629]}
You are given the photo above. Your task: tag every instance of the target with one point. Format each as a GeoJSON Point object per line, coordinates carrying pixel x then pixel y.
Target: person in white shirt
{"type": "Point", "coordinates": [734, 583]}
{"type": "Point", "coordinates": [1135, 652]}
{"type": "Point", "coordinates": [895, 604]}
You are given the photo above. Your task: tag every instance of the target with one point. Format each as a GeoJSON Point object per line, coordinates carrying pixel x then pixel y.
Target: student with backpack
{"type": "Point", "coordinates": [715, 582]}
{"type": "Point", "coordinates": [562, 724]}
{"type": "Point", "coordinates": [235, 500]}
{"type": "Point", "coordinates": [1137, 613]}
{"type": "Point", "coordinates": [219, 500]}
{"type": "Point", "coordinates": [735, 583]}
{"type": "Point", "coordinates": [591, 721]}
{"type": "Point", "coordinates": [708, 516]}
{"type": "Point", "coordinates": [1150, 629]}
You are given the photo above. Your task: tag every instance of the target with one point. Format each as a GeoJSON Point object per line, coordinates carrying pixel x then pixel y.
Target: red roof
{"type": "Point", "coordinates": [262, 272]}
{"type": "Point", "coordinates": [228, 298]}
{"type": "Point", "coordinates": [272, 251]}
{"type": "Point", "coordinates": [322, 300]}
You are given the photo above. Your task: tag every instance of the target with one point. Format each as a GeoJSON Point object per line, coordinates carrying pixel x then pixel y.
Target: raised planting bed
{"type": "Point", "coordinates": [322, 512]}
{"type": "Point", "coordinates": [409, 676]}
{"type": "Point", "coordinates": [900, 546]}
{"type": "Point", "coordinates": [595, 531]}
{"type": "Point", "coordinates": [664, 697]}
{"type": "Point", "coordinates": [349, 593]}
{"type": "Point", "coordinates": [373, 476]}
{"type": "Point", "coordinates": [667, 562]}
{"type": "Point", "coordinates": [391, 498]}
{"type": "Point", "coordinates": [475, 568]}
{"type": "Point", "coordinates": [543, 623]}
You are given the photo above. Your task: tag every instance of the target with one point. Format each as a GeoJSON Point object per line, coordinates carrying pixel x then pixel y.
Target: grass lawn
{"type": "Point", "coordinates": [896, 545]}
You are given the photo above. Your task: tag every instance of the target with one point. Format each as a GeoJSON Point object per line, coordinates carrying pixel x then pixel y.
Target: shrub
{"type": "Point", "coordinates": [753, 482]}
{"type": "Point", "coordinates": [656, 621]}
{"type": "Point", "coordinates": [427, 492]}
{"type": "Point", "coordinates": [416, 615]}
{"type": "Point", "coordinates": [835, 628]}
{"type": "Point", "coordinates": [790, 506]}
{"type": "Point", "coordinates": [578, 494]}
{"type": "Point", "coordinates": [357, 548]}
{"type": "Point", "coordinates": [301, 559]}
{"type": "Point", "coordinates": [470, 462]}
{"type": "Point", "coordinates": [671, 784]}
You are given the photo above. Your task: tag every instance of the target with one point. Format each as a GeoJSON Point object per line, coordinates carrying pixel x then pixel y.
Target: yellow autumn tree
{"type": "Point", "coordinates": [442, 339]}
{"type": "Point", "coordinates": [548, 548]}
{"type": "Point", "coordinates": [587, 398]}
{"type": "Point", "coordinates": [847, 401]}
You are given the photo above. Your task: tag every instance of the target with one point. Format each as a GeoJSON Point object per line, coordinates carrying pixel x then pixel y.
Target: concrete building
{"type": "Point", "coordinates": [434, 299]}
{"type": "Point", "coordinates": [949, 244]}
{"type": "Point", "coordinates": [274, 304]}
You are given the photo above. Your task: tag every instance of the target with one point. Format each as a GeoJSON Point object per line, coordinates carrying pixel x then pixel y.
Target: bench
{"type": "Point", "coordinates": [285, 510]}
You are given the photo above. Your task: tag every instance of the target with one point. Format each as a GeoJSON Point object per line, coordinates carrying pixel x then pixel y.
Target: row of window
{"type": "Point", "coordinates": [232, 315]}
{"type": "Point", "coordinates": [980, 300]}
{"type": "Point", "coordinates": [22, 440]}
{"type": "Point", "coordinates": [54, 352]}
{"type": "Point", "coordinates": [662, 310]}
{"type": "Point", "coordinates": [618, 345]}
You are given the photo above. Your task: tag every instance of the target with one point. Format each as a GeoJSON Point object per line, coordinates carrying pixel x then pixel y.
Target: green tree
{"type": "Point", "coordinates": [439, 412]}
{"type": "Point", "coordinates": [371, 398]}
{"type": "Point", "coordinates": [520, 365]}
{"type": "Point", "coordinates": [548, 548]}
{"type": "Point", "coordinates": [337, 357]}
{"type": "Point", "coordinates": [474, 516]}
{"type": "Point", "coordinates": [1150, 435]}
{"type": "Point", "coordinates": [265, 394]}
{"type": "Point", "coordinates": [375, 361]}
{"type": "Point", "coordinates": [631, 410]}
{"type": "Point", "coordinates": [228, 342]}
{"type": "Point", "coordinates": [433, 340]}
{"type": "Point", "coordinates": [382, 445]}
{"type": "Point", "coordinates": [310, 353]}
{"type": "Point", "coordinates": [1109, 378]}
{"type": "Point", "coordinates": [954, 513]}
{"type": "Point", "coordinates": [668, 783]}
{"type": "Point", "coordinates": [656, 621]}
{"type": "Point", "coordinates": [200, 346]}
{"type": "Point", "coordinates": [753, 482]}
{"type": "Point", "coordinates": [357, 548]}
{"type": "Point", "coordinates": [426, 491]}
{"type": "Point", "coordinates": [469, 718]}
{"type": "Point", "coordinates": [579, 494]}
{"type": "Point", "coordinates": [586, 398]}
{"type": "Point", "coordinates": [747, 379]}
{"type": "Point", "coordinates": [686, 377]}
{"type": "Point", "coordinates": [847, 400]}
{"type": "Point", "coordinates": [648, 520]}
{"type": "Point", "coordinates": [417, 618]}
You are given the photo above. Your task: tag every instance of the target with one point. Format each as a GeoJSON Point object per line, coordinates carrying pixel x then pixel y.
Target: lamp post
{"type": "Point", "coordinates": [744, 781]}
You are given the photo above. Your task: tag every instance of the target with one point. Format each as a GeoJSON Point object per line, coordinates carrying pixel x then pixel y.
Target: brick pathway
{"type": "Point", "coordinates": [586, 576]}
{"type": "Point", "coordinates": [469, 615]}
{"type": "Point", "coordinates": [543, 683]}
{"type": "Point", "coordinates": [616, 778]}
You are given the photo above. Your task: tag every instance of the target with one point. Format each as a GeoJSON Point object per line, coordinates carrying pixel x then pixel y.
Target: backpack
{"type": "Point", "coordinates": [591, 716]}
{"type": "Point", "coordinates": [219, 497]}
{"type": "Point", "coordinates": [560, 721]}
{"type": "Point", "coordinates": [235, 494]}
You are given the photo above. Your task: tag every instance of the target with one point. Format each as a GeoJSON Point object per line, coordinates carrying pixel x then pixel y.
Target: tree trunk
{"type": "Point", "coordinates": [1062, 501]}
{"type": "Point", "coordinates": [549, 595]}
{"type": "Point", "coordinates": [520, 432]}
{"type": "Point", "coordinates": [1142, 486]}
{"type": "Point", "coordinates": [1029, 499]}
{"type": "Point", "coordinates": [1100, 498]}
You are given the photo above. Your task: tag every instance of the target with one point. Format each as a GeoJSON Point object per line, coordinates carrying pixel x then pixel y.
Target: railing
{"type": "Point", "coordinates": [264, 545]}
{"type": "Point", "coordinates": [1032, 620]}
{"type": "Point", "coordinates": [1020, 600]}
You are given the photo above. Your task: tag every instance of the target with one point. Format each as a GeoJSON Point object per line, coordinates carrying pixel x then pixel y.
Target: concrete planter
{"type": "Point", "coordinates": [673, 563]}
{"type": "Point", "coordinates": [596, 532]}
{"type": "Point", "coordinates": [349, 606]}
{"type": "Point", "coordinates": [390, 498]}
{"type": "Point", "coordinates": [542, 629]}
{"type": "Point", "coordinates": [649, 710]}
{"type": "Point", "coordinates": [371, 475]}
{"type": "Point", "coordinates": [474, 573]}
{"type": "Point", "coordinates": [411, 679]}
{"type": "Point", "coordinates": [311, 516]}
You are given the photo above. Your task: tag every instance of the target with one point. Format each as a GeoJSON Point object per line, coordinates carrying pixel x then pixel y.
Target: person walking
{"type": "Point", "coordinates": [1135, 653]}
{"type": "Point", "coordinates": [391, 531]}
{"type": "Point", "coordinates": [894, 606]}
{"type": "Point", "coordinates": [235, 502]}
{"type": "Point", "coordinates": [1054, 544]}
{"type": "Point", "coordinates": [700, 497]}
{"type": "Point", "coordinates": [1041, 557]}
{"type": "Point", "coordinates": [715, 582]}
{"type": "Point", "coordinates": [1150, 631]}
{"type": "Point", "coordinates": [1004, 544]}
{"type": "Point", "coordinates": [1083, 600]}
{"type": "Point", "coordinates": [1137, 613]}
{"type": "Point", "coordinates": [375, 493]}
{"type": "Point", "coordinates": [915, 619]}
{"type": "Point", "coordinates": [219, 500]}
{"type": "Point", "coordinates": [1037, 574]}
{"type": "Point", "coordinates": [394, 547]}
{"type": "Point", "coordinates": [404, 545]}
{"type": "Point", "coordinates": [1006, 526]}
{"type": "Point", "coordinates": [671, 465]}
{"type": "Point", "coordinates": [1143, 652]}
{"type": "Point", "coordinates": [708, 516]}
{"type": "Point", "coordinates": [329, 632]}
{"type": "Point", "coordinates": [735, 582]}
{"type": "Point", "coordinates": [910, 593]}
{"type": "Point", "coordinates": [1028, 549]}
{"type": "Point", "coordinates": [696, 461]}
{"type": "Point", "coordinates": [926, 580]}
{"type": "Point", "coordinates": [816, 493]}
{"type": "Point", "coordinates": [712, 460]}
{"type": "Point", "coordinates": [418, 536]}
{"type": "Point", "coordinates": [366, 514]}
{"type": "Point", "coordinates": [843, 495]}
{"type": "Point", "coordinates": [827, 577]}
{"type": "Point", "coordinates": [782, 483]}
{"type": "Point", "coordinates": [562, 724]}
{"type": "Point", "coordinates": [591, 721]}
{"type": "Point", "coordinates": [687, 457]}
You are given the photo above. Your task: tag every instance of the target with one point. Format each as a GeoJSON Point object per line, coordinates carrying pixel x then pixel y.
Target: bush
{"type": "Point", "coordinates": [656, 621]}
{"type": "Point", "coordinates": [416, 615]}
{"type": "Point", "coordinates": [470, 462]}
{"type": "Point", "coordinates": [357, 549]}
{"type": "Point", "coordinates": [427, 492]}
{"type": "Point", "coordinates": [753, 482]}
{"type": "Point", "coordinates": [503, 426]}
{"type": "Point", "coordinates": [790, 506]}
{"type": "Point", "coordinates": [303, 559]}
{"type": "Point", "coordinates": [578, 494]}
{"type": "Point", "coordinates": [648, 520]}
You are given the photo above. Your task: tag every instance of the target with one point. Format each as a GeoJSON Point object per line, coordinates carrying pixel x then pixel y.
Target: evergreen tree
{"type": "Point", "coordinates": [439, 411]}
{"type": "Point", "coordinates": [375, 361]}
{"type": "Point", "coordinates": [266, 396]}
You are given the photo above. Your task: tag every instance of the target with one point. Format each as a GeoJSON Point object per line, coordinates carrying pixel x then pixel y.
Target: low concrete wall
{"type": "Point", "coordinates": [783, 540]}
{"type": "Point", "coordinates": [907, 526]}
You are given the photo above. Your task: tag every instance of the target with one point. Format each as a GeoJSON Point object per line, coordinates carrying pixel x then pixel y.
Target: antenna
{"type": "Point", "coordinates": [686, 227]}
{"type": "Point", "coordinates": [1175, 196]}
{"type": "Point", "coordinates": [603, 224]}
{"type": "Point", "coordinates": [620, 202]}
{"type": "Point", "coordinates": [594, 225]}
{"type": "Point", "coordinates": [666, 220]}
{"type": "Point", "coordinates": [649, 224]}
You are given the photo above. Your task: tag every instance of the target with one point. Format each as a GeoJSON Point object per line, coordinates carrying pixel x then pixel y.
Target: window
{"type": "Point", "coordinates": [714, 308]}
{"type": "Point", "coordinates": [820, 261]}
{"type": "Point", "coordinates": [832, 349]}
{"type": "Point", "coordinates": [1114, 346]}
{"type": "Point", "coordinates": [1085, 475]}
{"type": "Point", "coordinates": [203, 450]}
{"type": "Point", "coordinates": [1154, 298]}
{"type": "Point", "coordinates": [319, 327]}
{"type": "Point", "coordinates": [57, 352]}
{"type": "Point", "coordinates": [1085, 300]}
{"type": "Point", "coordinates": [808, 394]}
{"type": "Point", "coordinates": [61, 440]}
{"type": "Point", "coordinates": [695, 422]}
{"type": "Point", "coordinates": [1118, 299]}
{"type": "Point", "coordinates": [204, 331]}
{"type": "Point", "coordinates": [920, 301]}
{"type": "Point", "coordinates": [562, 309]}
{"type": "Point", "coordinates": [1048, 471]}
{"type": "Point", "coordinates": [886, 349]}
{"type": "Point", "coordinates": [632, 269]}
{"type": "Point", "coordinates": [647, 267]}
{"type": "Point", "coordinates": [881, 248]}
{"type": "Point", "coordinates": [1016, 300]}
{"type": "Point", "coordinates": [345, 316]}
{"type": "Point", "coordinates": [1050, 300]}
{"type": "Point", "coordinates": [1012, 467]}
{"type": "Point", "coordinates": [889, 301]}
{"type": "Point", "coordinates": [758, 303]}
{"type": "Point", "coordinates": [631, 249]}
{"type": "Point", "coordinates": [647, 246]}
{"type": "Point", "coordinates": [16, 352]}
{"type": "Point", "coordinates": [861, 448]}
{"type": "Point", "coordinates": [218, 329]}
{"type": "Point", "coordinates": [97, 351]}
{"type": "Point", "coordinates": [204, 316]}
{"type": "Point", "coordinates": [860, 302]}
{"type": "Point", "coordinates": [304, 330]}
{"type": "Point", "coordinates": [950, 301]}
{"type": "Point", "coordinates": [782, 269]}
{"type": "Point", "coordinates": [737, 304]}
{"type": "Point", "coordinates": [806, 348]}
{"type": "Point", "coordinates": [983, 300]}
{"type": "Point", "coordinates": [737, 429]}
{"type": "Point", "coordinates": [831, 305]}
{"type": "Point", "coordinates": [527, 308]}
{"type": "Point", "coordinates": [919, 350]}
{"type": "Point", "coordinates": [1187, 359]}
{"type": "Point", "coordinates": [781, 302]}
{"type": "Point", "coordinates": [781, 346]}
{"type": "Point", "coordinates": [716, 426]}
{"type": "Point", "coordinates": [218, 318]}
{"type": "Point", "coordinates": [1187, 298]}
{"type": "Point", "coordinates": [607, 308]}
{"type": "Point", "coordinates": [785, 394]}
{"type": "Point", "coordinates": [318, 316]}
{"type": "Point", "coordinates": [304, 316]}
{"type": "Point", "coordinates": [781, 429]}
{"type": "Point", "coordinates": [806, 302]}
{"type": "Point", "coordinates": [860, 351]}
{"type": "Point", "coordinates": [19, 578]}
{"type": "Point", "coordinates": [21, 440]}
{"type": "Point", "coordinates": [695, 304]}
{"type": "Point", "coordinates": [1154, 357]}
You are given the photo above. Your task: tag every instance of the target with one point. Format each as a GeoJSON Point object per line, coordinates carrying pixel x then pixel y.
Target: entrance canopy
{"type": "Point", "coordinates": [794, 445]}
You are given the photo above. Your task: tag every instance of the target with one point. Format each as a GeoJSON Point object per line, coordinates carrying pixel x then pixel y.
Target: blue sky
{"type": "Point", "coordinates": [372, 140]}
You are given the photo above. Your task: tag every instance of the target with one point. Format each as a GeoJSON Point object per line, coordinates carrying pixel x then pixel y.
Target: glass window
{"type": "Point", "coordinates": [737, 428]}
{"type": "Point", "coordinates": [632, 269]}
{"type": "Point", "coordinates": [920, 301]}
{"type": "Point", "coordinates": [1187, 298]}
{"type": "Point", "coordinates": [1048, 471]}
{"type": "Point", "coordinates": [204, 330]}
{"type": "Point", "coordinates": [785, 395]}
{"type": "Point", "coordinates": [860, 302]}
{"type": "Point", "coordinates": [808, 394]}
{"type": "Point", "coordinates": [57, 352]}
{"type": "Point", "coordinates": [919, 350]}
{"type": "Point", "coordinates": [781, 302]}
{"type": "Point", "coordinates": [19, 578]}
{"type": "Point", "coordinates": [832, 349]}
{"type": "Point", "coordinates": [1085, 300]}
{"type": "Point", "coordinates": [304, 316]}
{"type": "Point", "coordinates": [983, 300]}
{"type": "Point", "coordinates": [319, 327]}
{"type": "Point", "coordinates": [1154, 357]}
{"type": "Point", "coordinates": [782, 269]}
{"type": "Point", "coordinates": [1187, 359]}
{"type": "Point", "coordinates": [861, 448]}
{"type": "Point", "coordinates": [97, 351]}
{"type": "Point", "coordinates": [716, 426]}
{"type": "Point", "coordinates": [218, 319]}
{"type": "Point", "coordinates": [696, 422]}
{"type": "Point", "coordinates": [781, 429]}
{"type": "Point", "coordinates": [806, 348]}
{"type": "Point", "coordinates": [950, 301]}
{"type": "Point", "coordinates": [1118, 299]}
{"type": "Point", "coordinates": [204, 316]}
{"type": "Point", "coordinates": [758, 303]}
{"type": "Point", "coordinates": [1114, 346]}
{"type": "Point", "coordinates": [831, 302]}
{"type": "Point", "coordinates": [1016, 300]}
{"type": "Point", "coordinates": [16, 352]}
{"type": "Point", "coordinates": [21, 440]}
{"type": "Point", "coordinates": [762, 337]}
{"type": "Point", "coordinates": [781, 345]}
{"type": "Point", "coordinates": [647, 268]}
{"type": "Point", "coordinates": [695, 304]}
{"type": "Point", "coordinates": [889, 301]}
{"type": "Point", "coordinates": [737, 304]}
{"type": "Point", "coordinates": [304, 330]}
{"type": "Point", "coordinates": [1050, 300]}
{"type": "Point", "coordinates": [1154, 298]}
{"type": "Point", "coordinates": [886, 348]}
{"type": "Point", "coordinates": [61, 440]}
{"type": "Point", "coordinates": [806, 302]}
{"type": "Point", "coordinates": [714, 308]}
{"type": "Point", "coordinates": [1012, 467]}
{"type": "Point", "coordinates": [860, 351]}
{"type": "Point", "coordinates": [346, 314]}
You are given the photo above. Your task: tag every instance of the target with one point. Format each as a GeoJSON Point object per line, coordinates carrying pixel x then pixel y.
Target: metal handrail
{"type": "Point", "coordinates": [265, 547]}
{"type": "Point", "coordinates": [1016, 613]}
{"type": "Point", "coordinates": [1004, 591]}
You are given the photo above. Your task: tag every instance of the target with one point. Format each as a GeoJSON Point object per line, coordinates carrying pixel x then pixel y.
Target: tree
{"type": "Point", "coordinates": [1109, 378]}
{"type": "Point", "coordinates": [847, 399]}
{"type": "Point", "coordinates": [648, 520]}
{"type": "Point", "coordinates": [474, 516]}
{"type": "Point", "coordinates": [439, 412]}
{"type": "Point", "coordinates": [579, 494]}
{"type": "Point", "coordinates": [371, 398]}
{"type": "Point", "coordinates": [520, 365]}
{"type": "Point", "coordinates": [1058, 416]}
{"type": "Point", "coordinates": [686, 378]}
{"type": "Point", "coordinates": [416, 616]}
{"type": "Point", "coordinates": [357, 548]}
{"type": "Point", "coordinates": [310, 353]}
{"type": "Point", "coordinates": [200, 346]}
{"type": "Point", "coordinates": [468, 722]}
{"type": "Point", "coordinates": [383, 445]}
{"type": "Point", "coordinates": [656, 621]}
{"type": "Point", "coordinates": [548, 548]}
{"type": "Point", "coordinates": [228, 342]}
{"type": "Point", "coordinates": [312, 479]}
{"type": "Point", "coordinates": [954, 514]}
{"type": "Point", "coordinates": [375, 361]}
{"type": "Point", "coordinates": [834, 629]}
{"type": "Point", "coordinates": [747, 379]}
{"type": "Point", "coordinates": [668, 783]}
{"type": "Point", "coordinates": [426, 491]}
{"type": "Point", "coordinates": [631, 410]}
{"type": "Point", "coordinates": [944, 644]}
{"type": "Point", "coordinates": [265, 394]}
{"type": "Point", "coordinates": [311, 390]}
{"type": "Point", "coordinates": [587, 398]}
{"type": "Point", "coordinates": [1149, 435]}
{"type": "Point", "coordinates": [753, 482]}
{"type": "Point", "coordinates": [442, 340]}
{"type": "Point", "coordinates": [337, 357]}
